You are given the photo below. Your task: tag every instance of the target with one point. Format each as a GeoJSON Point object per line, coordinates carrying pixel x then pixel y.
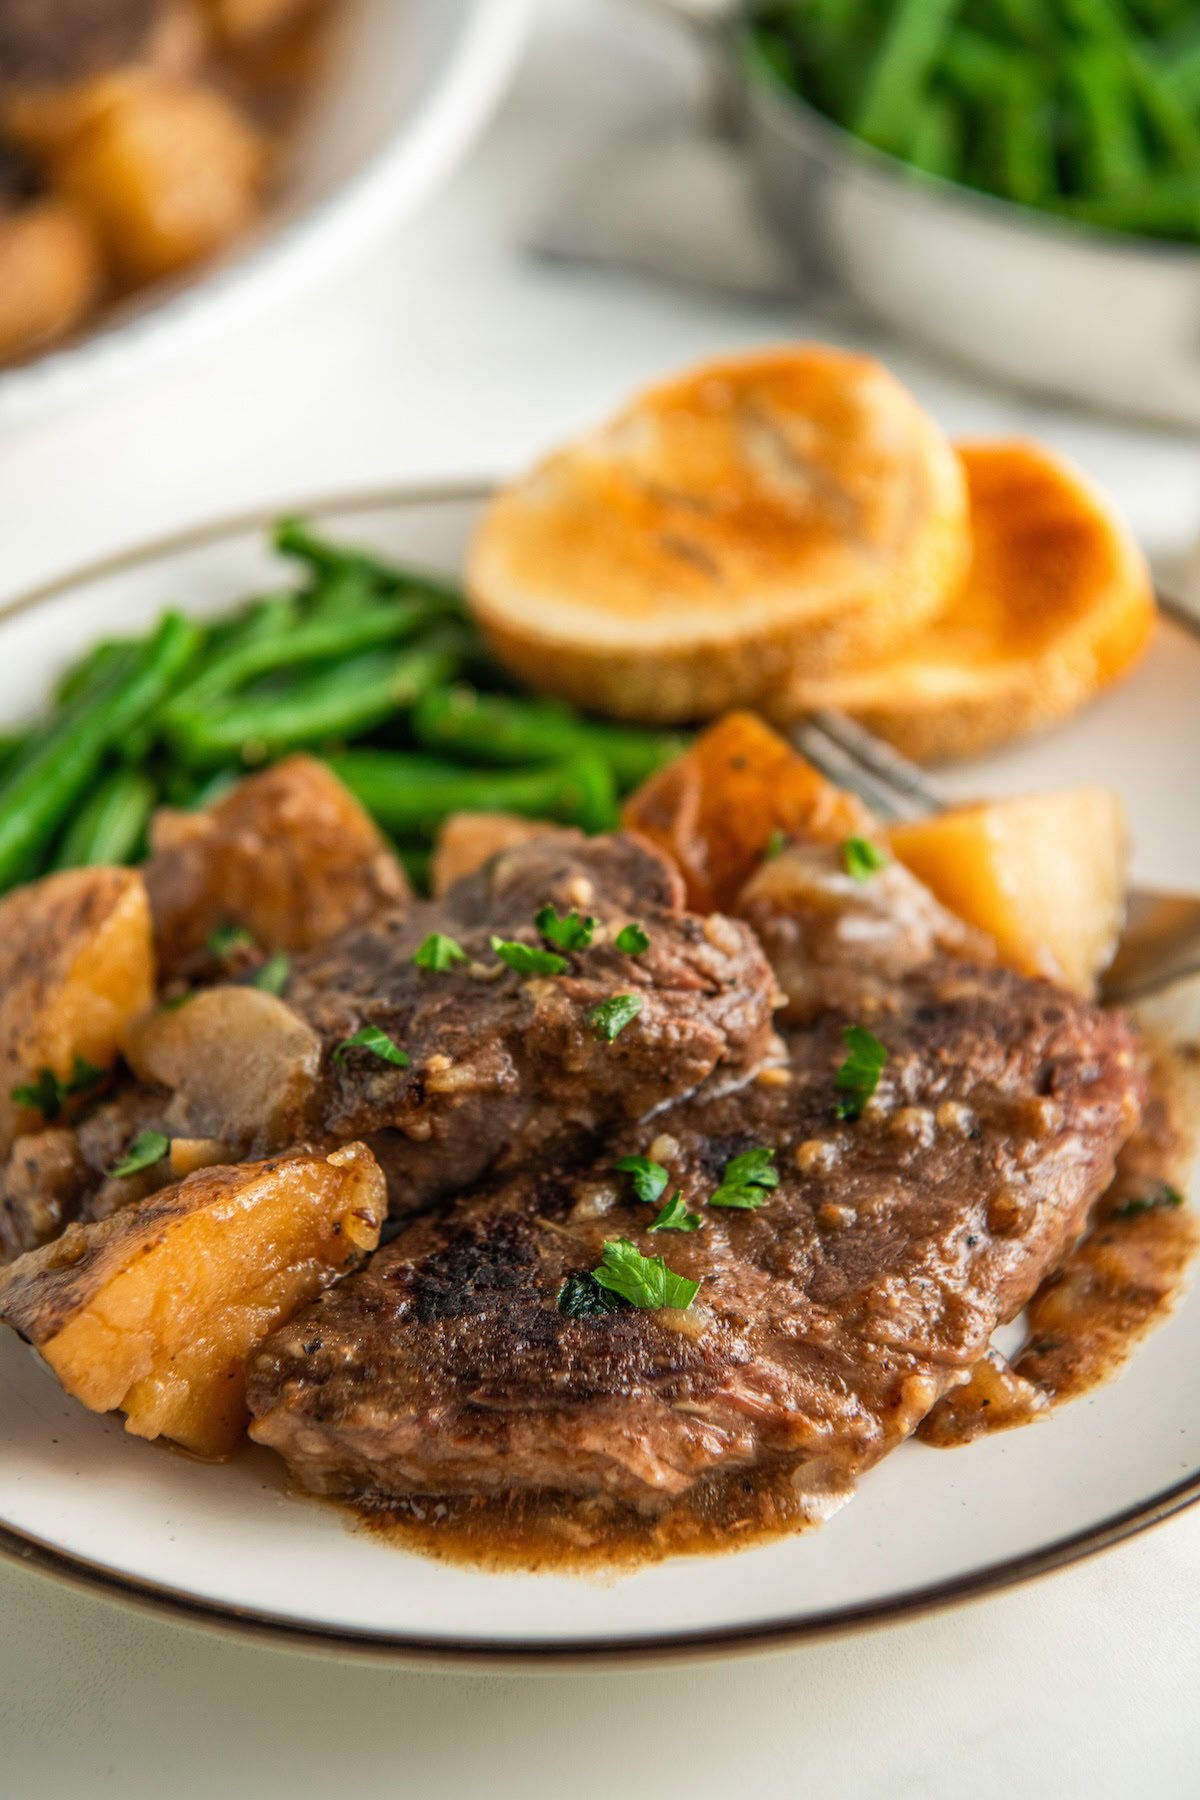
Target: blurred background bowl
{"type": "Point", "coordinates": [1101, 318]}
{"type": "Point", "coordinates": [408, 86]}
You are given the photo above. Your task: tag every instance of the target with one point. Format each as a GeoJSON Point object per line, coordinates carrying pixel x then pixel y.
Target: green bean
{"type": "Point", "coordinates": [937, 140]}
{"type": "Point", "coordinates": [110, 826]}
{"type": "Point", "coordinates": [352, 698]}
{"type": "Point", "coordinates": [91, 668]}
{"type": "Point", "coordinates": [1114, 149]}
{"type": "Point", "coordinates": [328, 562]}
{"type": "Point", "coordinates": [44, 784]}
{"type": "Point", "coordinates": [494, 728]}
{"type": "Point", "coordinates": [911, 47]}
{"type": "Point", "coordinates": [289, 645]}
{"type": "Point", "coordinates": [410, 796]}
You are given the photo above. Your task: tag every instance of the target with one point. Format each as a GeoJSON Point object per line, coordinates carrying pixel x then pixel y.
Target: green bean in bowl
{"type": "Point", "coordinates": [375, 668]}
{"type": "Point", "coordinates": [1089, 109]}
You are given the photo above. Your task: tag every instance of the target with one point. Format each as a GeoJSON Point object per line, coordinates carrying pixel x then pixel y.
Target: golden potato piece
{"type": "Point", "coordinates": [289, 854]}
{"type": "Point", "coordinates": [1057, 604]}
{"type": "Point", "coordinates": [50, 276]}
{"type": "Point", "coordinates": [1043, 876]}
{"type": "Point", "coordinates": [758, 518]}
{"type": "Point", "coordinates": [241, 1064]}
{"type": "Point", "coordinates": [157, 1310]}
{"type": "Point", "coordinates": [468, 839]}
{"type": "Point", "coordinates": [168, 173]}
{"type": "Point", "coordinates": [736, 795]}
{"type": "Point", "coordinates": [76, 968]}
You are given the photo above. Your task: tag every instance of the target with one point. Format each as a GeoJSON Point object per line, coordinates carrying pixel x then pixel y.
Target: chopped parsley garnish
{"type": "Point", "coordinates": [775, 845]}
{"type": "Point", "coordinates": [649, 1179]}
{"type": "Point", "coordinates": [1163, 1195]}
{"type": "Point", "coordinates": [858, 1076]}
{"type": "Point", "coordinates": [48, 1095]}
{"type": "Point", "coordinates": [572, 932]}
{"type": "Point", "coordinates": [862, 858]}
{"type": "Point", "coordinates": [147, 1148]}
{"type": "Point", "coordinates": [274, 975]}
{"type": "Point", "coordinates": [377, 1042]}
{"type": "Point", "coordinates": [439, 953]}
{"type": "Point", "coordinates": [527, 959]}
{"type": "Point", "coordinates": [609, 1019]}
{"type": "Point", "coordinates": [675, 1216]}
{"type": "Point", "coordinates": [225, 940]}
{"type": "Point", "coordinates": [582, 1297]}
{"type": "Point", "coordinates": [632, 940]}
{"type": "Point", "coordinates": [645, 1281]}
{"type": "Point", "coordinates": [747, 1179]}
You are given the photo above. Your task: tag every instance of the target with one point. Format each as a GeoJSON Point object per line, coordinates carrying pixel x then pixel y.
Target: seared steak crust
{"type": "Point", "coordinates": [827, 1324]}
{"type": "Point", "coordinates": [499, 1061]}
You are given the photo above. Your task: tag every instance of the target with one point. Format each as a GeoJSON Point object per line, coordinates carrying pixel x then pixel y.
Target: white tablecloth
{"type": "Point", "coordinates": [453, 352]}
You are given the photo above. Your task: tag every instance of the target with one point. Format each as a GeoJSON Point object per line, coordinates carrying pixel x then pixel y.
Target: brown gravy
{"type": "Point", "coordinates": [546, 1533]}
{"type": "Point", "coordinates": [1120, 1281]}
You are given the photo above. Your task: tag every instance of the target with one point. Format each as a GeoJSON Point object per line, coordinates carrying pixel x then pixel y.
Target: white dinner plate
{"type": "Point", "coordinates": [230, 1546]}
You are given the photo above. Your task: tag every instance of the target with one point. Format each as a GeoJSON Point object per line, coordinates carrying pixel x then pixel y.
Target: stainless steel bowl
{"type": "Point", "coordinates": [1095, 317]}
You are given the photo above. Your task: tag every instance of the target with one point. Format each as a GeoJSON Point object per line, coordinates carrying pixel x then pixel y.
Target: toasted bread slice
{"type": "Point", "coordinates": [1057, 603]}
{"type": "Point", "coordinates": [785, 513]}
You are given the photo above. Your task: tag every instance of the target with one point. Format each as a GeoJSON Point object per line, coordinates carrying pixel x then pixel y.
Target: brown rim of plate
{"type": "Point", "coordinates": [550, 1654]}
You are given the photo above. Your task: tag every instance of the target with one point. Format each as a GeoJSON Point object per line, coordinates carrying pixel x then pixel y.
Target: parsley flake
{"type": "Point", "coordinates": [572, 932]}
{"type": "Point", "coordinates": [747, 1179]}
{"type": "Point", "coordinates": [527, 959]}
{"type": "Point", "coordinates": [582, 1297]}
{"type": "Point", "coordinates": [377, 1042]}
{"type": "Point", "coordinates": [147, 1148]}
{"type": "Point", "coordinates": [225, 940]}
{"type": "Point", "coordinates": [645, 1281]}
{"type": "Point", "coordinates": [859, 1075]}
{"type": "Point", "coordinates": [48, 1095]}
{"type": "Point", "coordinates": [862, 859]}
{"type": "Point", "coordinates": [609, 1019]}
{"type": "Point", "coordinates": [675, 1216]}
{"type": "Point", "coordinates": [775, 845]}
{"type": "Point", "coordinates": [1163, 1195]}
{"type": "Point", "coordinates": [648, 1179]}
{"type": "Point", "coordinates": [439, 953]}
{"type": "Point", "coordinates": [632, 940]}
{"type": "Point", "coordinates": [274, 974]}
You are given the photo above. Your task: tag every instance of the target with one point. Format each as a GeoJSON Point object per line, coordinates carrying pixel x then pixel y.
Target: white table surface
{"type": "Point", "coordinates": [450, 353]}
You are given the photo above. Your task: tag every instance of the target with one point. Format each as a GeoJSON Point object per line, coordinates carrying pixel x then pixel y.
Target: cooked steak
{"type": "Point", "coordinates": [827, 1323]}
{"type": "Point", "coordinates": [500, 1060]}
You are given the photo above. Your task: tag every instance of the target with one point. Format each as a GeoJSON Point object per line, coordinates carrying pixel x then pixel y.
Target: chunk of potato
{"type": "Point", "coordinates": [717, 809]}
{"type": "Point", "coordinates": [1044, 876]}
{"type": "Point", "coordinates": [468, 839]}
{"type": "Point", "coordinates": [289, 854]}
{"type": "Point", "coordinates": [76, 968]}
{"type": "Point", "coordinates": [168, 173]}
{"type": "Point", "coordinates": [157, 1310]}
{"type": "Point", "coordinates": [241, 1064]}
{"type": "Point", "coordinates": [50, 276]}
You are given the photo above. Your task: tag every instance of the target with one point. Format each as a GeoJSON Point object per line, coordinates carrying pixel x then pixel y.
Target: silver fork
{"type": "Point", "coordinates": [1161, 940]}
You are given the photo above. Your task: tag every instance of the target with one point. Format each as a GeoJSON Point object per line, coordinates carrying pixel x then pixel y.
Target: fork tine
{"type": "Point", "coordinates": [893, 771]}
{"type": "Point", "coordinates": [851, 758]}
